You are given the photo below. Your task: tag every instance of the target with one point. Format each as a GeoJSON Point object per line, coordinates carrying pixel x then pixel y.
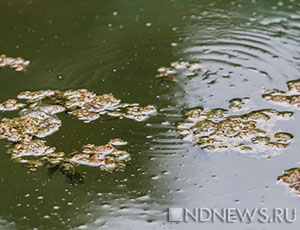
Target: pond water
{"type": "Point", "coordinates": [116, 47]}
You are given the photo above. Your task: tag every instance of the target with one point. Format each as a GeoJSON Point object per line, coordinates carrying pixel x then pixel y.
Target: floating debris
{"type": "Point", "coordinates": [42, 111]}
{"type": "Point", "coordinates": [25, 127]}
{"type": "Point", "coordinates": [117, 141]}
{"type": "Point", "coordinates": [54, 161]}
{"type": "Point", "coordinates": [85, 105]}
{"type": "Point", "coordinates": [36, 154]}
{"type": "Point", "coordinates": [10, 105]}
{"type": "Point", "coordinates": [221, 129]}
{"type": "Point", "coordinates": [38, 120]}
{"type": "Point", "coordinates": [240, 104]}
{"type": "Point", "coordinates": [36, 95]}
{"type": "Point", "coordinates": [19, 64]}
{"type": "Point", "coordinates": [140, 113]}
{"type": "Point", "coordinates": [107, 157]}
{"type": "Point", "coordinates": [31, 148]}
{"type": "Point", "coordinates": [285, 98]}
{"type": "Point", "coordinates": [85, 115]}
{"type": "Point", "coordinates": [179, 67]}
{"type": "Point", "coordinates": [88, 106]}
{"type": "Point", "coordinates": [292, 178]}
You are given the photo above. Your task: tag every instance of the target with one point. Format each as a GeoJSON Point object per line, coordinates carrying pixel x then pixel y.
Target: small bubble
{"type": "Point", "coordinates": [115, 13]}
{"type": "Point", "coordinates": [148, 24]}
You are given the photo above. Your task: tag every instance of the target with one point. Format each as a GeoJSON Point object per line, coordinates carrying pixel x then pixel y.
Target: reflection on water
{"type": "Point", "coordinates": [116, 47]}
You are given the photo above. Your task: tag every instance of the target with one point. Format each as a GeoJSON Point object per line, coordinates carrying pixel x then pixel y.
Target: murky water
{"type": "Point", "coordinates": [116, 47]}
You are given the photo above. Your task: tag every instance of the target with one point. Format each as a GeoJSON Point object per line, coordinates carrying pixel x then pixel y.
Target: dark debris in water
{"type": "Point", "coordinates": [72, 175]}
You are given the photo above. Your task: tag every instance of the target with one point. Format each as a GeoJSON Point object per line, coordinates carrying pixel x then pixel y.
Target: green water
{"type": "Point", "coordinates": [116, 47]}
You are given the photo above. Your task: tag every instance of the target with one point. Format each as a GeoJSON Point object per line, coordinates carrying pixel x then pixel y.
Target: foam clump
{"type": "Point", "coordinates": [31, 148]}
{"type": "Point", "coordinates": [291, 177]}
{"type": "Point", "coordinates": [85, 105]}
{"type": "Point", "coordinates": [221, 129]}
{"type": "Point", "coordinates": [38, 120]}
{"type": "Point", "coordinates": [10, 105]}
{"type": "Point", "coordinates": [88, 106]}
{"type": "Point", "coordinates": [18, 64]}
{"type": "Point", "coordinates": [290, 98]}
{"type": "Point", "coordinates": [36, 95]}
{"type": "Point", "coordinates": [108, 157]}
{"type": "Point", "coordinates": [26, 127]}
{"type": "Point", "coordinates": [179, 67]}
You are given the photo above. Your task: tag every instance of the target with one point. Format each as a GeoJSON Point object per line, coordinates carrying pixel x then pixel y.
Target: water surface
{"type": "Point", "coordinates": [116, 47]}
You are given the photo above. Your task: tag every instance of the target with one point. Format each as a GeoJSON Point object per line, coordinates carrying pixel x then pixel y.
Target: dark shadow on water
{"type": "Point", "coordinates": [73, 177]}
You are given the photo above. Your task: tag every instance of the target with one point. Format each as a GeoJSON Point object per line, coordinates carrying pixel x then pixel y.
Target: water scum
{"type": "Point", "coordinates": [10, 105]}
{"type": "Point", "coordinates": [216, 129]}
{"type": "Point", "coordinates": [291, 98]}
{"type": "Point", "coordinates": [88, 106]}
{"type": "Point", "coordinates": [108, 157]}
{"type": "Point", "coordinates": [180, 67]}
{"type": "Point", "coordinates": [292, 178]}
{"type": "Point", "coordinates": [39, 120]}
{"type": "Point", "coordinates": [220, 129]}
{"type": "Point", "coordinates": [19, 64]}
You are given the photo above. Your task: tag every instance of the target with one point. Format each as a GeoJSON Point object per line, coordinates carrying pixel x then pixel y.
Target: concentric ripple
{"type": "Point", "coordinates": [251, 47]}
